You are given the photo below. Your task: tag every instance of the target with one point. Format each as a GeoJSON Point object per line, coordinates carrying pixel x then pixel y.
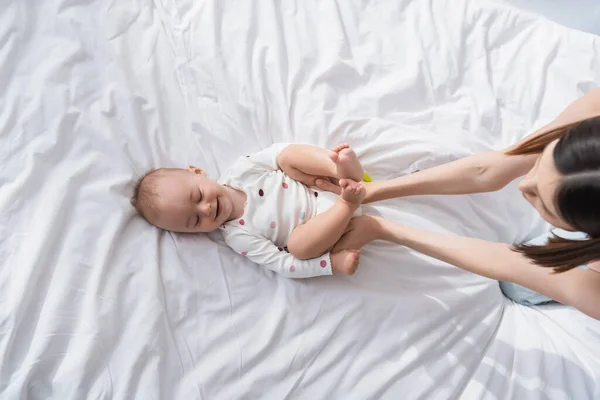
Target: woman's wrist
{"type": "Point", "coordinates": [388, 232]}
{"type": "Point", "coordinates": [382, 190]}
{"type": "Point", "coordinates": [378, 228]}
{"type": "Point", "coordinates": [371, 189]}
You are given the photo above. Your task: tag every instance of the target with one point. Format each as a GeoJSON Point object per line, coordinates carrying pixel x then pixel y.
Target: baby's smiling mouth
{"type": "Point", "coordinates": [217, 211]}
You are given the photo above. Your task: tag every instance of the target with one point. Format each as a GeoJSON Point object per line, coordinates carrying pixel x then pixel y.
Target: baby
{"type": "Point", "coordinates": [265, 207]}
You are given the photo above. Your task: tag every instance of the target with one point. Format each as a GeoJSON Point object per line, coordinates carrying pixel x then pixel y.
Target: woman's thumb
{"type": "Point", "coordinates": [328, 186]}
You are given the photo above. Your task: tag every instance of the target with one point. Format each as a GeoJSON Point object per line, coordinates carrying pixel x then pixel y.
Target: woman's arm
{"type": "Point", "coordinates": [479, 173]}
{"type": "Point", "coordinates": [484, 172]}
{"type": "Point", "coordinates": [577, 288]}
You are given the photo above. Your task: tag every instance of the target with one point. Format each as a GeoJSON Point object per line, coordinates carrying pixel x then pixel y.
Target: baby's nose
{"type": "Point", "coordinates": [205, 208]}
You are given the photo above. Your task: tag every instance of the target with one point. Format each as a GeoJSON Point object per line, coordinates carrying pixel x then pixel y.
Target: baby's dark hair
{"type": "Point", "coordinates": [145, 193]}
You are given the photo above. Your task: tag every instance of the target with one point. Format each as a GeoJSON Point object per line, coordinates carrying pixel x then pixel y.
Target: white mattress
{"type": "Point", "coordinates": [97, 304]}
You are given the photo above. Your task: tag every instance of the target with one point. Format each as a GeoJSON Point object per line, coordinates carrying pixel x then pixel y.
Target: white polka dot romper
{"type": "Point", "coordinates": [275, 205]}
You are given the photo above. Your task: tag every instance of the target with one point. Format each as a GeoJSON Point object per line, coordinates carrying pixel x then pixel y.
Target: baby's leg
{"type": "Point", "coordinates": [320, 233]}
{"type": "Point", "coordinates": [307, 163]}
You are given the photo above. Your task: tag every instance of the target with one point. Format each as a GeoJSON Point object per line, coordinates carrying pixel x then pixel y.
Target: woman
{"type": "Point", "coordinates": [561, 164]}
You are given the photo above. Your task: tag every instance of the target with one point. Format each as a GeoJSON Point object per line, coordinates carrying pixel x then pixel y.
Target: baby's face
{"type": "Point", "coordinates": [190, 202]}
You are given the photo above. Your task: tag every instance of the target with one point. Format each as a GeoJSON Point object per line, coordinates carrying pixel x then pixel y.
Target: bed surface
{"type": "Point", "coordinates": [97, 304]}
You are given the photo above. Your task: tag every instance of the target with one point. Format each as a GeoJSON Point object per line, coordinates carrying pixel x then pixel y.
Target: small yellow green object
{"type": "Point", "coordinates": [367, 178]}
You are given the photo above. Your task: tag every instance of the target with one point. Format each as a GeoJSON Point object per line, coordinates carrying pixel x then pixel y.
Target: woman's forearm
{"type": "Point", "coordinates": [489, 259]}
{"type": "Point", "coordinates": [577, 288]}
{"type": "Point", "coordinates": [478, 173]}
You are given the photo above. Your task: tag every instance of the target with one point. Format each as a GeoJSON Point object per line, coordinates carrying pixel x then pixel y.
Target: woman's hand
{"type": "Point", "coordinates": [360, 231]}
{"type": "Point", "coordinates": [328, 186]}
{"type": "Point", "coordinates": [332, 185]}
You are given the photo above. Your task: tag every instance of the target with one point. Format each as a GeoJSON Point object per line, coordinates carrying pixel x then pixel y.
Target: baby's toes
{"type": "Point", "coordinates": [355, 263]}
{"type": "Point", "coordinates": [340, 147]}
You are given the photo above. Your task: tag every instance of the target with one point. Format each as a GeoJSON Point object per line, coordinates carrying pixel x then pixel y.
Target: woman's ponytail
{"type": "Point", "coordinates": [562, 254]}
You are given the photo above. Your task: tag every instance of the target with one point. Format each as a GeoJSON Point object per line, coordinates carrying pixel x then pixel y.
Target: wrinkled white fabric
{"type": "Point", "coordinates": [97, 304]}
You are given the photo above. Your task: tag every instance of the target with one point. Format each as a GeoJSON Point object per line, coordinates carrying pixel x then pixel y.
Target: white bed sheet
{"type": "Point", "coordinates": [96, 304]}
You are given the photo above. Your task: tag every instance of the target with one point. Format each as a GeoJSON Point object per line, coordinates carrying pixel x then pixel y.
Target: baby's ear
{"type": "Point", "coordinates": [196, 170]}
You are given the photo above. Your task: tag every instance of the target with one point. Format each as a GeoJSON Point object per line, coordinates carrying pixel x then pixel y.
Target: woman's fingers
{"type": "Point", "coordinates": [328, 186]}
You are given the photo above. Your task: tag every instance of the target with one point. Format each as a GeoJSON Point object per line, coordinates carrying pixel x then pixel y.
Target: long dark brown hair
{"type": "Point", "coordinates": [577, 158]}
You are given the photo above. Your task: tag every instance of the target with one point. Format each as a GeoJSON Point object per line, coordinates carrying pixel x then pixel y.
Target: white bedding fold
{"type": "Point", "coordinates": [97, 304]}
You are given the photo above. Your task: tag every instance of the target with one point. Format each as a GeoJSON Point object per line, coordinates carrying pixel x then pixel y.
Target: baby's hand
{"type": "Point", "coordinates": [345, 261]}
{"type": "Point", "coordinates": [352, 191]}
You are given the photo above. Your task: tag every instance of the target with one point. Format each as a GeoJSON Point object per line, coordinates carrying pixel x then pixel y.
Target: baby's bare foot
{"type": "Point", "coordinates": [352, 191]}
{"type": "Point", "coordinates": [347, 162]}
{"type": "Point", "coordinates": [345, 261]}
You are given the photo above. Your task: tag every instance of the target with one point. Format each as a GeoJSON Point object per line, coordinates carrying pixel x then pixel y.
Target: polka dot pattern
{"type": "Point", "coordinates": [263, 232]}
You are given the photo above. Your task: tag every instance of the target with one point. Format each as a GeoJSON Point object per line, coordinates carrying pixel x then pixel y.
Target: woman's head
{"type": "Point", "coordinates": [564, 187]}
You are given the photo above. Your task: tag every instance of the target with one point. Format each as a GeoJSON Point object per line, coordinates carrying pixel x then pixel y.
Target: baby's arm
{"type": "Point", "coordinates": [265, 253]}
{"type": "Point", "coordinates": [306, 163]}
